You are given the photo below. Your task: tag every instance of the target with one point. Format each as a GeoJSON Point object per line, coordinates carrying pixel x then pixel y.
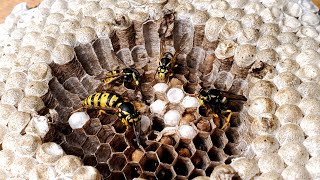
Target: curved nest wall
{"type": "Point", "coordinates": [105, 144]}
{"type": "Point", "coordinates": [55, 55]}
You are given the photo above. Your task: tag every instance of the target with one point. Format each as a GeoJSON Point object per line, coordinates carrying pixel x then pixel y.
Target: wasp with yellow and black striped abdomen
{"type": "Point", "coordinates": [127, 77]}
{"type": "Point", "coordinates": [167, 61]}
{"type": "Point", "coordinates": [214, 103]}
{"type": "Point", "coordinates": [113, 102]}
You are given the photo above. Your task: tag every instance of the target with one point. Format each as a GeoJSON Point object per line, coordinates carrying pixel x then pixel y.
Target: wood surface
{"type": "Point", "coordinates": [316, 2]}
{"type": "Point", "coordinates": [6, 6]}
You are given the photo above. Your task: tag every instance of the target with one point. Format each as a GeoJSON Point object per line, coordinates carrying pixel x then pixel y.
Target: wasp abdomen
{"type": "Point", "coordinates": [102, 100]}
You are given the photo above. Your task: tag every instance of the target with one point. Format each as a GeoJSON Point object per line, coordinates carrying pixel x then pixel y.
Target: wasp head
{"type": "Point", "coordinates": [134, 118]}
{"type": "Point", "coordinates": [203, 96]}
{"type": "Point", "coordinates": [131, 75]}
{"type": "Point", "coordinates": [162, 72]}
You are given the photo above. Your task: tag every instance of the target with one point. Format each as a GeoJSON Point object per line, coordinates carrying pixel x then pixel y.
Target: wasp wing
{"type": "Point", "coordinates": [232, 96]}
{"type": "Point", "coordinates": [181, 48]}
{"type": "Point", "coordinates": [137, 130]}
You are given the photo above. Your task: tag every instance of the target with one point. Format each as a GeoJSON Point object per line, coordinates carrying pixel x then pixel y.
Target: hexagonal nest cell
{"type": "Point", "coordinates": [106, 143]}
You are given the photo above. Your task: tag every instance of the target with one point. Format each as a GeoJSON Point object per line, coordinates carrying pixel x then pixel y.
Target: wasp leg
{"type": "Point", "coordinates": [101, 112]}
{"type": "Point", "coordinates": [227, 120]}
{"type": "Point", "coordinates": [125, 122]}
{"type": "Point", "coordinates": [78, 110]}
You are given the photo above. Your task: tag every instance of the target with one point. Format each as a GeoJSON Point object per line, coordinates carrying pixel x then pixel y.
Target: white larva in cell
{"type": "Point", "coordinates": [172, 118]}
{"type": "Point", "coordinates": [190, 102]}
{"type": "Point", "coordinates": [160, 87]}
{"type": "Point", "coordinates": [187, 131]}
{"type": "Point", "coordinates": [158, 107]}
{"type": "Point", "coordinates": [78, 119]}
{"type": "Point", "coordinates": [175, 95]}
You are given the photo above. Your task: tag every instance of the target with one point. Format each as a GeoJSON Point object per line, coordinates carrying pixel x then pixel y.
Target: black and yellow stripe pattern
{"type": "Point", "coordinates": [112, 76]}
{"type": "Point", "coordinates": [102, 100]}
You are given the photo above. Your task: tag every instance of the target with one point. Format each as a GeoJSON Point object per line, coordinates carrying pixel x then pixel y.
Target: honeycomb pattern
{"type": "Point", "coordinates": [106, 144]}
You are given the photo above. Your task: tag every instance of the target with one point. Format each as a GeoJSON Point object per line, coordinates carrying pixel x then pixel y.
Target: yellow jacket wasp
{"type": "Point", "coordinates": [215, 100]}
{"type": "Point", "coordinates": [167, 61]}
{"type": "Point", "coordinates": [114, 103]}
{"type": "Point", "coordinates": [127, 77]}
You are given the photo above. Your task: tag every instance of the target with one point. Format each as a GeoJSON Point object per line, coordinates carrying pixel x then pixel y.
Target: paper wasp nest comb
{"type": "Point", "coordinates": [51, 58]}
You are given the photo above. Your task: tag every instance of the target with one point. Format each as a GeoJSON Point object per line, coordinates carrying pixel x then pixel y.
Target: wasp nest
{"type": "Point", "coordinates": [51, 58]}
